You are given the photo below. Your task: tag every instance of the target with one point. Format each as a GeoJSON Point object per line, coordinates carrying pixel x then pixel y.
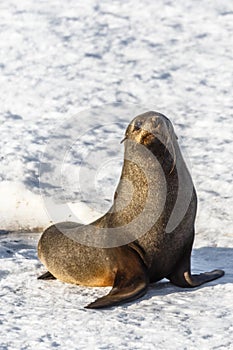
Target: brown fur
{"type": "Point", "coordinates": [164, 247]}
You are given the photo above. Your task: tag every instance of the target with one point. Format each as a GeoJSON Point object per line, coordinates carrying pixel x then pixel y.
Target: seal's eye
{"type": "Point", "coordinates": [137, 125]}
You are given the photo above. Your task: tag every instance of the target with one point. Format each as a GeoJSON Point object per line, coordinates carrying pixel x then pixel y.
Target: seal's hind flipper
{"type": "Point", "coordinates": [46, 276]}
{"type": "Point", "coordinates": [130, 283]}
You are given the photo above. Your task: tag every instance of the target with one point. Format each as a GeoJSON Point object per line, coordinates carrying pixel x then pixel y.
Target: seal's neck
{"type": "Point", "coordinates": [144, 184]}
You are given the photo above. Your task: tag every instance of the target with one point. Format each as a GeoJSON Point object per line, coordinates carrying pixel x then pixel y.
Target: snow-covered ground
{"type": "Point", "coordinates": [73, 74]}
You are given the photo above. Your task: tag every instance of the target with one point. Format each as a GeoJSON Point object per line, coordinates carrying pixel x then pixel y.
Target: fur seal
{"type": "Point", "coordinates": [163, 247]}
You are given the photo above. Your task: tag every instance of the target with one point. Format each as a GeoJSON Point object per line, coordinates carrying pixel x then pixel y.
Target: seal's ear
{"type": "Point", "coordinates": [171, 149]}
{"type": "Point", "coordinates": [176, 136]}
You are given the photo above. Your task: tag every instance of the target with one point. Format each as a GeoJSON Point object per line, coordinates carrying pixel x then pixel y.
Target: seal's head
{"type": "Point", "coordinates": [154, 131]}
{"type": "Point", "coordinates": [146, 128]}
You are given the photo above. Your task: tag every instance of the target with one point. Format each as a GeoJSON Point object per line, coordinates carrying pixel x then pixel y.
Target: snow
{"type": "Point", "coordinates": [72, 76]}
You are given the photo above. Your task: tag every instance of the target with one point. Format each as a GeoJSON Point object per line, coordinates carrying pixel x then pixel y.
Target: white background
{"type": "Point", "coordinates": [59, 58]}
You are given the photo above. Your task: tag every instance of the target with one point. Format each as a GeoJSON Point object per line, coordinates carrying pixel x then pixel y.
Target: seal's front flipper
{"type": "Point", "coordinates": [46, 276]}
{"type": "Point", "coordinates": [124, 290]}
{"type": "Point", "coordinates": [130, 283]}
{"type": "Point", "coordinates": [187, 280]}
{"type": "Point", "coordinates": [182, 276]}
{"type": "Point", "coordinates": [197, 280]}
